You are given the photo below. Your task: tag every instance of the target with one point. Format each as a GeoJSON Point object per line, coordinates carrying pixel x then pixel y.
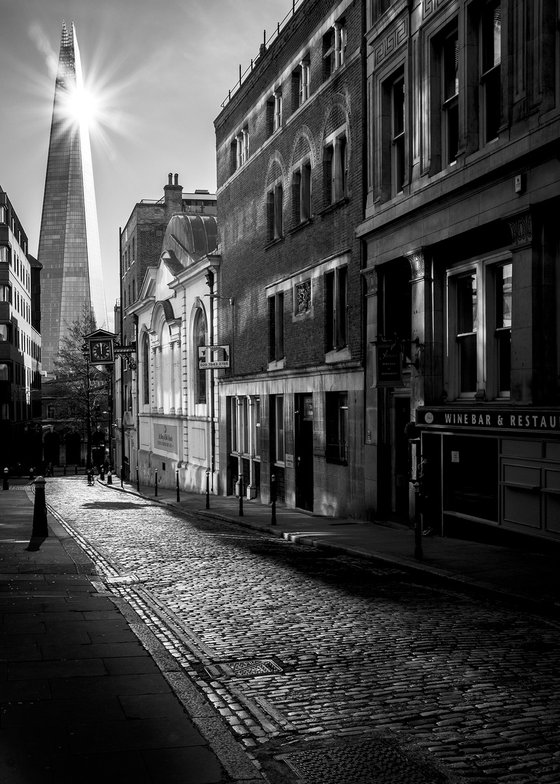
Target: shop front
{"type": "Point", "coordinates": [491, 466]}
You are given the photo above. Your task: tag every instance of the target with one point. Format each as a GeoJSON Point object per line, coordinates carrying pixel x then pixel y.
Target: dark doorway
{"type": "Point", "coordinates": [52, 448]}
{"type": "Point", "coordinates": [304, 451]}
{"type": "Point", "coordinates": [73, 448]}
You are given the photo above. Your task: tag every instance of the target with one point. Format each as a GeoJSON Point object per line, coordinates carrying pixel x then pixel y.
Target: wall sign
{"type": "Point", "coordinates": [525, 420]}
{"type": "Point", "coordinates": [389, 364]}
{"type": "Point", "coordinates": [165, 438]}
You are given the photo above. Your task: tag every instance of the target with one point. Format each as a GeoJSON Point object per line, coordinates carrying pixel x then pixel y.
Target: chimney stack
{"type": "Point", "coordinates": [173, 193]}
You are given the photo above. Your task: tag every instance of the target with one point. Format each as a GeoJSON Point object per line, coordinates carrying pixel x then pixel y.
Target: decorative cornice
{"type": "Point", "coordinates": [392, 40]}
{"type": "Point", "coordinates": [432, 5]}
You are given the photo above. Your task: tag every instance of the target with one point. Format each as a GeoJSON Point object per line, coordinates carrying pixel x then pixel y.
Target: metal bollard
{"type": "Point", "coordinates": [40, 528]}
{"type": "Point", "coordinates": [273, 498]}
{"type": "Point", "coordinates": [155, 484]}
{"type": "Point", "coordinates": [64, 469]}
{"type": "Point", "coordinates": [109, 477]}
{"type": "Point", "coordinates": [208, 488]}
{"type": "Point", "coordinates": [241, 495]}
{"type": "Point", "coordinates": [76, 469]}
{"type": "Point", "coordinates": [177, 483]}
{"type": "Point", "coordinates": [6, 480]}
{"type": "Point", "coordinates": [137, 479]}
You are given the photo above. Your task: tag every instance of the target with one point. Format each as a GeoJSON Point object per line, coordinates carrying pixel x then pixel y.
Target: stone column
{"type": "Point", "coordinates": [425, 382]}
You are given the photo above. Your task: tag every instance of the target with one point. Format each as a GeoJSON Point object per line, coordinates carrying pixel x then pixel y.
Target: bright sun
{"type": "Point", "coordinates": [82, 105]}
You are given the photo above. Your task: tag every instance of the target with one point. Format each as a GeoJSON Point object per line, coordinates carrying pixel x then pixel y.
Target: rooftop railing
{"type": "Point", "coordinates": [263, 48]}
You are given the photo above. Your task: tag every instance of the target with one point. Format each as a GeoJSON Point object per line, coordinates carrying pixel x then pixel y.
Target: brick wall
{"type": "Point", "coordinates": [249, 262]}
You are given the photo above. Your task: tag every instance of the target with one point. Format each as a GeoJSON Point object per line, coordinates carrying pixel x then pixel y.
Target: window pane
{"type": "Point", "coordinates": [503, 296]}
{"type": "Point", "coordinates": [467, 363]}
{"type": "Point", "coordinates": [467, 304]}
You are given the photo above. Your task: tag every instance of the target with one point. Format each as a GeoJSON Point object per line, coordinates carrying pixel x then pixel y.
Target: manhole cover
{"type": "Point", "coordinates": [368, 761]}
{"type": "Point", "coordinates": [245, 668]}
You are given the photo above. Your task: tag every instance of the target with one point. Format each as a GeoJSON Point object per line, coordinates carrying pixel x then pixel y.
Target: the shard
{"type": "Point", "coordinates": [69, 248]}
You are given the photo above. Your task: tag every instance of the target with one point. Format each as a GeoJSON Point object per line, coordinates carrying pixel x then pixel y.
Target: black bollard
{"type": "Point", "coordinates": [241, 495]}
{"type": "Point", "coordinates": [155, 484]}
{"type": "Point", "coordinates": [6, 480]}
{"type": "Point", "coordinates": [273, 499]}
{"type": "Point", "coordinates": [109, 477]}
{"type": "Point", "coordinates": [208, 488]}
{"type": "Point", "coordinates": [137, 479]}
{"type": "Point", "coordinates": [40, 528]}
{"type": "Point", "coordinates": [76, 469]}
{"type": "Point", "coordinates": [178, 494]}
{"type": "Point", "coordinates": [64, 469]}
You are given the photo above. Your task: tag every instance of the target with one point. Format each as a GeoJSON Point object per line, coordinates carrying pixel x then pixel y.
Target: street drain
{"type": "Point", "coordinates": [367, 761]}
{"type": "Point", "coordinates": [245, 668]}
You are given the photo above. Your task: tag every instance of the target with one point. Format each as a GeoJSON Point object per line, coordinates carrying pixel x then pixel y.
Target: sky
{"type": "Point", "coordinates": [159, 72]}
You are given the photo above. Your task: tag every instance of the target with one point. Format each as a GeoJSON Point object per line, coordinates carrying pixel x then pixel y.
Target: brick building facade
{"type": "Point", "coordinates": [290, 194]}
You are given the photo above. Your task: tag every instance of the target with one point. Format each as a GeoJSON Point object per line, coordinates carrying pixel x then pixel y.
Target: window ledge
{"type": "Point", "coordinates": [278, 364]}
{"type": "Point", "coordinates": [273, 242]}
{"type": "Point", "coordinates": [300, 226]}
{"type": "Point", "coordinates": [334, 206]}
{"type": "Point", "coordinates": [338, 355]}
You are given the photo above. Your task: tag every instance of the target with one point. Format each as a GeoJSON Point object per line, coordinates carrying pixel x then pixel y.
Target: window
{"type": "Point", "coordinates": [490, 70]}
{"type": "Point", "coordinates": [301, 194]}
{"type": "Point", "coordinates": [336, 311]}
{"type": "Point", "coordinates": [199, 333]}
{"type": "Point", "coordinates": [276, 327]}
{"type": "Point", "coordinates": [449, 96]}
{"type": "Point", "coordinates": [256, 426]}
{"type": "Point", "coordinates": [274, 216]}
{"type": "Point", "coordinates": [503, 293]}
{"type": "Point", "coordinates": [5, 293]}
{"type": "Point", "coordinates": [240, 148]}
{"type": "Point", "coordinates": [233, 423]}
{"type": "Point", "coordinates": [467, 328]}
{"type": "Point", "coordinates": [336, 420]}
{"type": "Point", "coordinates": [480, 320]}
{"type": "Point", "coordinates": [274, 112]}
{"type": "Point", "coordinates": [397, 135]}
{"type": "Point", "coordinates": [335, 168]}
{"type": "Point", "coordinates": [334, 48]}
{"type": "Point", "coordinates": [4, 254]}
{"type": "Point", "coordinates": [277, 115]}
{"type": "Point", "coordinates": [277, 428]}
{"type": "Point", "coordinates": [146, 370]}
{"type": "Point", "coordinates": [4, 333]}
{"type": "Point", "coordinates": [243, 403]}
{"type": "Point", "coordinates": [300, 84]}
{"type": "Point", "coordinates": [4, 372]}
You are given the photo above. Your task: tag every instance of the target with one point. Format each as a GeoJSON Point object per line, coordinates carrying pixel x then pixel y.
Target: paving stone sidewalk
{"type": "Point", "coordinates": [524, 571]}
{"type": "Point", "coordinates": [85, 688]}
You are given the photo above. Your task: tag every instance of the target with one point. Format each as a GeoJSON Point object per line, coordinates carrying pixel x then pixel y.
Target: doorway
{"type": "Point", "coordinates": [304, 451]}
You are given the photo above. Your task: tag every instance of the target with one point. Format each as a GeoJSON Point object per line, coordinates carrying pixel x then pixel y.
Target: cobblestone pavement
{"type": "Point", "coordinates": [293, 645]}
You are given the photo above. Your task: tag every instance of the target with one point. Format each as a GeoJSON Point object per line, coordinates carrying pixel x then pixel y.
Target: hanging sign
{"type": "Point", "coordinates": [210, 357]}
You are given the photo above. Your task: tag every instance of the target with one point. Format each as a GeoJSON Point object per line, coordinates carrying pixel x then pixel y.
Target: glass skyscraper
{"type": "Point", "coordinates": [69, 249]}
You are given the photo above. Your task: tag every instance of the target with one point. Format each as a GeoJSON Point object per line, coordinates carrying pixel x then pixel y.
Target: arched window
{"type": "Point", "coordinates": [199, 334]}
{"type": "Point", "coordinates": [146, 370]}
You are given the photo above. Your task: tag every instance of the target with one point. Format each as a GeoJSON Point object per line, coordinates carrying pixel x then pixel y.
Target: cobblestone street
{"type": "Point", "coordinates": [298, 648]}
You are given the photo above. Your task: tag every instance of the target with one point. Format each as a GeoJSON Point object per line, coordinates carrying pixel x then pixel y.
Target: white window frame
{"type": "Point", "coordinates": [487, 349]}
{"type": "Point", "coordinates": [336, 150]}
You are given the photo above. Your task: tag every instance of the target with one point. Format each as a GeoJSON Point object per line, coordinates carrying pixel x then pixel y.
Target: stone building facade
{"type": "Point", "coordinates": [463, 261]}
